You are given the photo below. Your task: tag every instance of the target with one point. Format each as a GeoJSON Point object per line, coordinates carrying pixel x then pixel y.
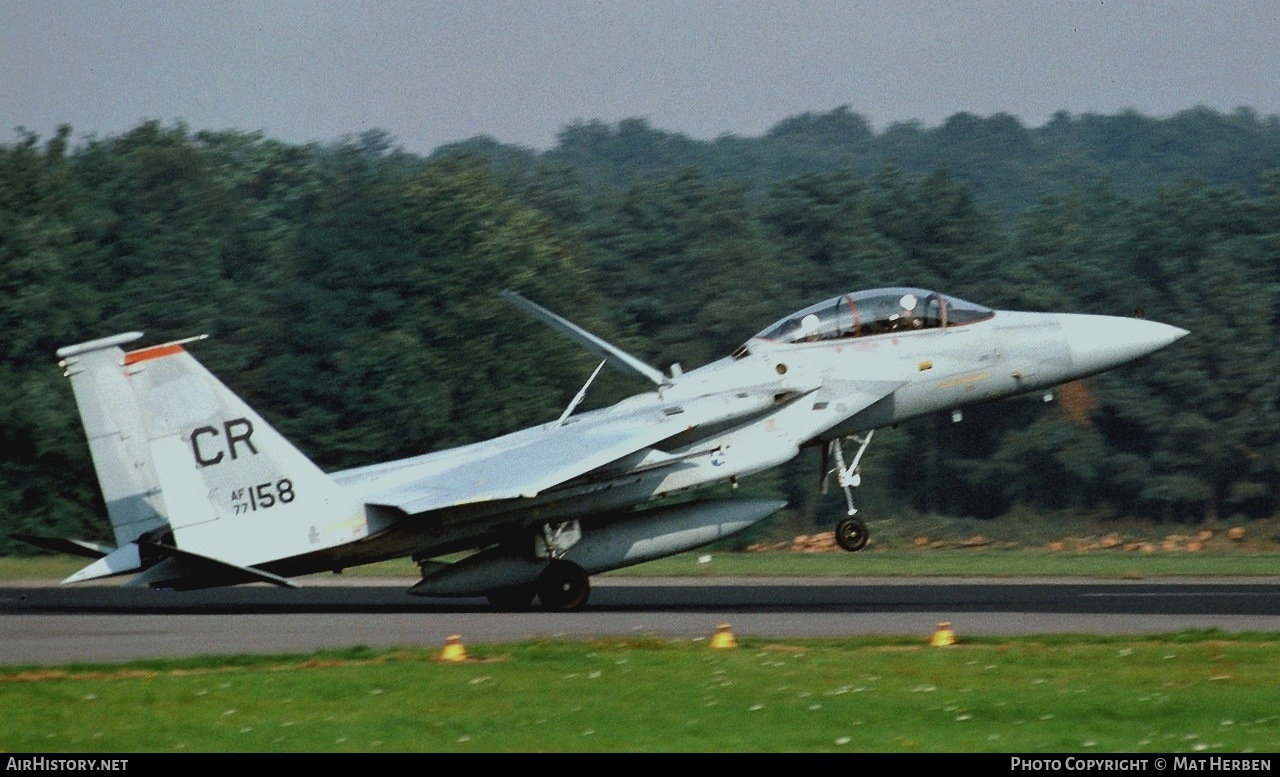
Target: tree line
{"type": "Point", "coordinates": [351, 289]}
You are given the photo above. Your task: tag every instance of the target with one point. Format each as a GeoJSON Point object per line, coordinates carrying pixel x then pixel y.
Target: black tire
{"type": "Point", "coordinates": [563, 585]}
{"type": "Point", "coordinates": [851, 534]}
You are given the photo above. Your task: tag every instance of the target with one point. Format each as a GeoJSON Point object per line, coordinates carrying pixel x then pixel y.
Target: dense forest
{"type": "Point", "coordinates": [351, 290]}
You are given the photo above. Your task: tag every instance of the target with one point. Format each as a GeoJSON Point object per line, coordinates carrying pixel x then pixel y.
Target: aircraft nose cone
{"type": "Point", "coordinates": [1102, 342]}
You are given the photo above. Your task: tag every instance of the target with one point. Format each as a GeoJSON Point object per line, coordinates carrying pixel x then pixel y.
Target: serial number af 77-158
{"type": "Point", "coordinates": [263, 496]}
{"type": "Point", "coordinates": [201, 491]}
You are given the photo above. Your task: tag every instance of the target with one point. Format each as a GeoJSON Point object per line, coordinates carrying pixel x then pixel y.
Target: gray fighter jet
{"type": "Point", "coordinates": [201, 491]}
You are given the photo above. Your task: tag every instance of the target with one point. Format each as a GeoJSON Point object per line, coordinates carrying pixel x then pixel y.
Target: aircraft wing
{"type": "Point", "coordinates": [527, 463]}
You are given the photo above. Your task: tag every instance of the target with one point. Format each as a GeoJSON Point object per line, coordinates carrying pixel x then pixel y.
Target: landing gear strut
{"type": "Point", "coordinates": [851, 532]}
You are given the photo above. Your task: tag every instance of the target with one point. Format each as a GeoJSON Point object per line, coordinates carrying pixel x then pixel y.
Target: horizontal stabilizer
{"type": "Point", "coordinates": [64, 545]}
{"type": "Point", "coordinates": [120, 561]}
{"type": "Point", "coordinates": [183, 570]}
{"type": "Point", "coordinates": [617, 358]}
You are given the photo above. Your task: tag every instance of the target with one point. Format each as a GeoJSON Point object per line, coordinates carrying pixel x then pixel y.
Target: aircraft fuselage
{"type": "Point", "coordinates": [202, 491]}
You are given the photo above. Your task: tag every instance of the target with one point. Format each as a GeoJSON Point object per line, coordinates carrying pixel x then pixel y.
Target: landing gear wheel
{"type": "Point", "coordinates": [515, 598]}
{"type": "Point", "coordinates": [851, 534]}
{"type": "Point", "coordinates": [563, 585]}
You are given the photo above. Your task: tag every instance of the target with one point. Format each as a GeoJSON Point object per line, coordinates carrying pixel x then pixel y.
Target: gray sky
{"type": "Point", "coordinates": [432, 72]}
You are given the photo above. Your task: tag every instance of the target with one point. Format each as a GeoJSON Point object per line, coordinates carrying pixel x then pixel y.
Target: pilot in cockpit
{"type": "Point", "coordinates": [808, 331]}
{"type": "Point", "coordinates": [906, 318]}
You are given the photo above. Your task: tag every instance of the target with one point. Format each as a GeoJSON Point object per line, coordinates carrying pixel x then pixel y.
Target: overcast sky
{"type": "Point", "coordinates": [430, 73]}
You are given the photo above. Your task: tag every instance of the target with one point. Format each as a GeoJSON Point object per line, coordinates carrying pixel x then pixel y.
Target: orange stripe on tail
{"type": "Point", "coordinates": [154, 352]}
{"type": "Point", "coordinates": [159, 351]}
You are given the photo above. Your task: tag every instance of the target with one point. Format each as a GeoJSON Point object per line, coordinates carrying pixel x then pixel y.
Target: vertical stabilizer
{"type": "Point", "coordinates": [116, 436]}
{"type": "Point", "coordinates": [184, 463]}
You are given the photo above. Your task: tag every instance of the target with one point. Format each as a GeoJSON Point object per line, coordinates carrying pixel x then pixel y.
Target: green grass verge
{"type": "Point", "coordinates": [1200, 692]}
{"type": "Point", "coordinates": [874, 563]}
{"type": "Point", "coordinates": [963, 563]}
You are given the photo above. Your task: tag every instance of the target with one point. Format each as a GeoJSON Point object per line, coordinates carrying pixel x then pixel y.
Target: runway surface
{"type": "Point", "coordinates": [45, 624]}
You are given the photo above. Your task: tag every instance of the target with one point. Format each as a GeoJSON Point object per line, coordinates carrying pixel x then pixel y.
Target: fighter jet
{"type": "Point", "coordinates": [202, 492]}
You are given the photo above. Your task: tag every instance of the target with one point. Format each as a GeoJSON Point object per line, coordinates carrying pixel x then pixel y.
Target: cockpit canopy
{"type": "Point", "coordinates": [874, 312]}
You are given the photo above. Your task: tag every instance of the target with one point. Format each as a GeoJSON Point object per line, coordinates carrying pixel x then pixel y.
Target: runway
{"type": "Point", "coordinates": [42, 623]}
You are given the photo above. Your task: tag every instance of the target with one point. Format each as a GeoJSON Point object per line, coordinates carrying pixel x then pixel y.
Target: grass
{"type": "Point", "coordinates": [1197, 692]}
{"type": "Point", "coordinates": [872, 562]}
{"type": "Point", "coordinates": [921, 545]}
{"type": "Point", "coordinates": [960, 563]}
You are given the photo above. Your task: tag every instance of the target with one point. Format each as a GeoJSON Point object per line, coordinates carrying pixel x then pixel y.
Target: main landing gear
{"type": "Point", "coordinates": [851, 532]}
{"type": "Point", "coordinates": [562, 585]}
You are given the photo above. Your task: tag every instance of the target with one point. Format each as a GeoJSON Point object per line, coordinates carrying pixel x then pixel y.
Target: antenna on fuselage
{"type": "Point", "coordinates": [582, 393]}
